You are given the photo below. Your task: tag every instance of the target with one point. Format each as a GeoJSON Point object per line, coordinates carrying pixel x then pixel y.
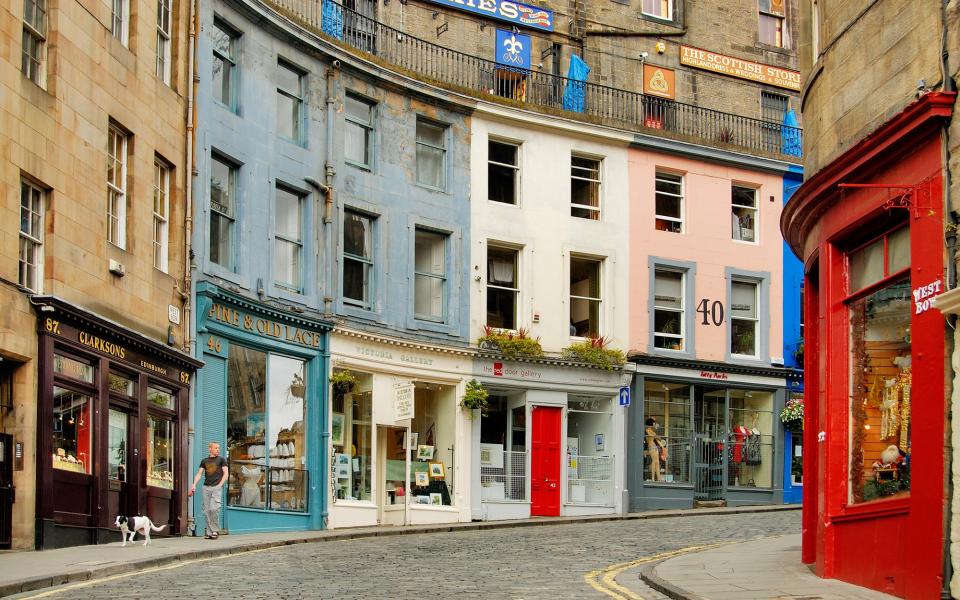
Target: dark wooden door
{"type": "Point", "coordinates": [121, 458]}
{"type": "Point", "coordinates": [6, 490]}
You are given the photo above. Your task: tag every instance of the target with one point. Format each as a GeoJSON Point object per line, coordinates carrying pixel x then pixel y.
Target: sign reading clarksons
{"type": "Point", "coordinates": [511, 12]}
{"type": "Point", "coordinates": [737, 67]}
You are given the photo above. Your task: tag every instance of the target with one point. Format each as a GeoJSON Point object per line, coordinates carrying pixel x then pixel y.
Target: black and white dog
{"type": "Point", "coordinates": [133, 525]}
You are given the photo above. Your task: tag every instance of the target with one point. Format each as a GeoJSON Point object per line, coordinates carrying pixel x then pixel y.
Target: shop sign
{"type": "Point", "coordinates": [713, 375]}
{"type": "Point", "coordinates": [923, 296]}
{"type": "Point", "coordinates": [264, 327]}
{"type": "Point", "coordinates": [403, 405]}
{"type": "Point", "coordinates": [742, 69]}
{"type": "Point", "coordinates": [659, 81]}
{"type": "Point", "coordinates": [513, 50]}
{"type": "Point", "coordinates": [497, 369]}
{"type": "Point", "coordinates": [406, 357]}
{"type": "Point", "coordinates": [504, 10]}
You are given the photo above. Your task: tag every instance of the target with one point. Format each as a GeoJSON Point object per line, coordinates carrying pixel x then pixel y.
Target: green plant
{"type": "Point", "coordinates": [594, 350]}
{"type": "Point", "coordinates": [512, 344]}
{"type": "Point", "coordinates": [798, 353]}
{"type": "Point", "coordinates": [343, 380]}
{"type": "Point", "coordinates": [475, 397]}
{"type": "Point", "coordinates": [792, 414]}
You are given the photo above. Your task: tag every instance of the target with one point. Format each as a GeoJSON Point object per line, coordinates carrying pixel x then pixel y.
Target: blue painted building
{"type": "Point", "coordinates": [331, 223]}
{"type": "Point", "coordinates": [792, 349]}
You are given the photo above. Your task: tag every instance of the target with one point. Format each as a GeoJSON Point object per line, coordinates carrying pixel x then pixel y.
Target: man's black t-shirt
{"type": "Point", "coordinates": [212, 469]}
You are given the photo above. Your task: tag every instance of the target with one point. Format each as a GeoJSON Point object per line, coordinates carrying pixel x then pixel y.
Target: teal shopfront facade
{"type": "Point", "coordinates": [262, 395]}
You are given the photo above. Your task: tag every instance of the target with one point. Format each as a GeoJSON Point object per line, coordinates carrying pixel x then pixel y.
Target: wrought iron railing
{"type": "Point", "coordinates": [541, 91]}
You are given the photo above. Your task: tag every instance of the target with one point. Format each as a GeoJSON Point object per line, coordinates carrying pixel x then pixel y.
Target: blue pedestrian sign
{"type": "Point", "coordinates": [625, 396]}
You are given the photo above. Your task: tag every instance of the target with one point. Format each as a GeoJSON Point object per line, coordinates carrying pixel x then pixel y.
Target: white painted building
{"type": "Point", "coordinates": [549, 255]}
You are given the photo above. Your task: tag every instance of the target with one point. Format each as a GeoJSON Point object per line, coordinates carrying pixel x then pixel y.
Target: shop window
{"type": "Point", "coordinates": [265, 430]}
{"type": "Point", "coordinates": [668, 309]}
{"type": "Point", "coordinates": [744, 213]}
{"type": "Point", "coordinates": [772, 23]}
{"type": "Point", "coordinates": [669, 202]}
{"type": "Point", "coordinates": [503, 456]}
{"type": "Point", "coordinates": [73, 368]}
{"type": "Point", "coordinates": [431, 154]}
{"type": "Point", "coordinates": [585, 187]}
{"type": "Point", "coordinates": [750, 441]}
{"type": "Point", "coordinates": [880, 370]}
{"type": "Point", "coordinates": [289, 101]}
{"type": "Point", "coordinates": [117, 186]}
{"type": "Point", "coordinates": [33, 59]}
{"type": "Point", "coordinates": [72, 431]}
{"type": "Point", "coordinates": [662, 9]}
{"type": "Point", "coordinates": [358, 132]}
{"type": "Point", "coordinates": [357, 258]}
{"type": "Point", "coordinates": [160, 448]}
{"type": "Point", "coordinates": [223, 199]}
{"type": "Point", "coordinates": [288, 240]}
{"type": "Point", "coordinates": [584, 297]}
{"type": "Point", "coordinates": [667, 434]}
{"type": "Point", "coordinates": [503, 171]}
{"type": "Point", "coordinates": [31, 236]}
{"type": "Point", "coordinates": [351, 435]}
{"type": "Point", "coordinates": [122, 384]}
{"type": "Point", "coordinates": [161, 398]}
{"type": "Point", "coordinates": [430, 274]}
{"type": "Point", "coordinates": [590, 462]}
{"type": "Point", "coordinates": [225, 40]}
{"type": "Point", "coordinates": [503, 287]}
{"type": "Point", "coordinates": [744, 322]}
{"type": "Point", "coordinates": [433, 428]}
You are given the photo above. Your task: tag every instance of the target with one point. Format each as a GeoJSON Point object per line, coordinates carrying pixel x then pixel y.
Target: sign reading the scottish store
{"type": "Point", "coordinates": [513, 49]}
{"type": "Point", "coordinates": [511, 12]}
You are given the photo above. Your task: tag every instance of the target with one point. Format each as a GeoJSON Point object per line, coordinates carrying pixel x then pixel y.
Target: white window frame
{"type": "Point", "coordinates": [34, 65]}
{"type": "Point", "coordinates": [297, 243]}
{"type": "Point", "coordinates": [229, 60]}
{"type": "Point", "coordinates": [231, 218]}
{"type": "Point", "coordinates": [120, 20]}
{"type": "Point", "coordinates": [667, 17]}
{"type": "Point", "coordinates": [515, 291]}
{"type": "Point", "coordinates": [33, 203]}
{"type": "Point", "coordinates": [441, 149]}
{"type": "Point", "coordinates": [366, 261]}
{"type": "Point", "coordinates": [598, 299]}
{"type": "Point", "coordinates": [755, 320]}
{"type": "Point", "coordinates": [583, 173]}
{"type": "Point", "coordinates": [661, 177]}
{"type": "Point", "coordinates": [117, 187]}
{"type": "Point", "coordinates": [515, 167]}
{"type": "Point", "coordinates": [366, 126]}
{"type": "Point", "coordinates": [681, 335]}
{"type": "Point", "coordinates": [296, 96]}
{"type": "Point", "coordinates": [736, 222]}
{"type": "Point", "coordinates": [161, 214]}
{"type": "Point", "coordinates": [442, 239]}
{"type": "Point", "coordinates": [164, 27]}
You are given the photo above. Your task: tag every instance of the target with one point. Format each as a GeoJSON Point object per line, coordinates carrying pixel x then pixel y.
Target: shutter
{"type": "Point", "coordinates": [211, 412]}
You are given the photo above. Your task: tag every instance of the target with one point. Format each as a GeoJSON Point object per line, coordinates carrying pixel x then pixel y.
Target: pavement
{"type": "Point", "coordinates": [555, 563]}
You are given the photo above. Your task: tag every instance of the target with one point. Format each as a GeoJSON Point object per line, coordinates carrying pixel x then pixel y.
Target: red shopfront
{"type": "Point", "coordinates": [870, 229]}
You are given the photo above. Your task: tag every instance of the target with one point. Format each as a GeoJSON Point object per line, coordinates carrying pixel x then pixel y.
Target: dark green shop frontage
{"type": "Point", "coordinates": [262, 395]}
{"type": "Point", "coordinates": [700, 431]}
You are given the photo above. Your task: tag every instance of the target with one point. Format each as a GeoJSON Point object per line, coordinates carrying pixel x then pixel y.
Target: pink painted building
{"type": "Point", "coordinates": [706, 327]}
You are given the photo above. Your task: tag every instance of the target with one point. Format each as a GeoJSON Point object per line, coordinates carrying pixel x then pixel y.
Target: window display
{"type": "Point", "coordinates": [351, 436]}
{"type": "Point", "coordinates": [265, 430]}
{"type": "Point", "coordinates": [72, 431]}
{"type": "Point", "coordinates": [503, 457]}
{"type": "Point", "coordinates": [589, 453]}
{"type": "Point", "coordinates": [433, 426]}
{"type": "Point", "coordinates": [160, 443]}
{"type": "Point", "coordinates": [667, 438]}
{"type": "Point", "coordinates": [750, 441]}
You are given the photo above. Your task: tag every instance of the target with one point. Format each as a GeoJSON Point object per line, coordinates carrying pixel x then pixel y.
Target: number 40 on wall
{"type": "Point", "coordinates": [712, 312]}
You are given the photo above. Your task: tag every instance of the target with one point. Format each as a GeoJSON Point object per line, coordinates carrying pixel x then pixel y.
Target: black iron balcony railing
{"type": "Point", "coordinates": [542, 91]}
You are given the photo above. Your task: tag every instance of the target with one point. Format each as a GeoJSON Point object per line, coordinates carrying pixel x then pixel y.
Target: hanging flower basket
{"type": "Point", "coordinates": [343, 381]}
{"type": "Point", "coordinates": [475, 397]}
{"type": "Point", "coordinates": [792, 415]}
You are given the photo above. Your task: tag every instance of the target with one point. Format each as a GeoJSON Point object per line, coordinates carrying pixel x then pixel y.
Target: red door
{"type": "Point", "coordinates": [545, 462]}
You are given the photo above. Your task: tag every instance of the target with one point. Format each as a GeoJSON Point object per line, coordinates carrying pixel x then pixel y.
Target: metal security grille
{"type": "Point", "coordinates": [506, 483]}
{"type": "Point", "coordinates": [708, 468]}
{"type": "Point", "coordinates": [590, 480]}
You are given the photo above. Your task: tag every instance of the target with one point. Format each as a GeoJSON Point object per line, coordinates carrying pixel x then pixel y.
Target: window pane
{"type": "Point", "coordinates": [430, 133]}
{"type": "Point", "coordinates": [356, 280]}
{"type": "Point", "coordinates": [743, 337]}
{"type": "Point", "coordinates": [668, 290]}
{"type": "Point", "coordinates": [286, 433]}
{"type": "Point", "coordinates": [501, 308]}
{"type": "Point", "coordinates": [222, 41]}
{"type": "Point", "coordinates": [667, 324]}
{"type": "Point", "coordinates": [866, 266]}
{"type": "Point", "coordinates": [358, 109]}
{"type": "Point", "coordinates": [585, 317]}
{"type": "Point", "coordinates": [667, 434]}
{"type": "Point", "coordinates": [428, 296]}
{"type": "Point", "coordinates": [117, 445]}
{"type": "Point", "coordinates": [288, 79]}
{"type": "Point", "coordinates": [429, 166]}
{"type": "Point", "coordinates": [429, 252]}
{"type": "Point", "coordinates": [584, 297]}
{"type": "Point", "coordinates": [288, 116]}
{"type": "Point", "coordinates": [880, 402]}
{"type": "Point", "coordinates": [161, 398]}
{"type": "Point", "coordinates": [898, 250]}
{"type": "Point", "coordinates": [743, 300]}
{"type": "Point", "coordinates": [501, 183]}
{"type": "Point", "coordinates": [585, 278]}
{"type": "Point", "coordinates": [750, 454]}
{"type": "Point", "coordinates": [502, 153]}
{"type": "Point", "coordinates": [351, 436]}
{"type": "Point", "coordinates": [221, 240]}
{"type": "Point", "coordinates": [121, 384]}
{"type": "Point", "coordinates": [585, 186]}
{"type": "Point", "coordinates": [502, 267]}
{"type": "Point", "coordinates": [658, 8]}
{"type": "Point", "coordinates": [72, 431]}
{"type": "Point", "coordinates": [160, 446]}
{"type": "Point", "coordinates": [288, 214]}
{"type": "Point", "coordinates": [357, 236]}
{"type": "Point", "coordinates": [221, 187]}
{"type": "Point", "coordinates": [246, 426]}
{"type": "Point", "coordinates": [69, 367]}
{"type": "Point", "coordinates": [286, 264]}
{"type": "Point", "coordinates": [356, 143]}
{"type": "Point", "coordinates": [222, 84]}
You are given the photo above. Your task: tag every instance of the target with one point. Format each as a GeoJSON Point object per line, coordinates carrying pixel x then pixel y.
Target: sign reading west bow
{"type": "Point", "coordinates": [504, 10]}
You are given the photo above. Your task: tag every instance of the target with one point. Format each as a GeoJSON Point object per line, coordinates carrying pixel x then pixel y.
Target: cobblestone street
{"type": "Point", "coordinates": [514, 563]}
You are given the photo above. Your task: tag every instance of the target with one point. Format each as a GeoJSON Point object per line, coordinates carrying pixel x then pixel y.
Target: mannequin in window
{"type": "Point", "coordinates": [655, 448]}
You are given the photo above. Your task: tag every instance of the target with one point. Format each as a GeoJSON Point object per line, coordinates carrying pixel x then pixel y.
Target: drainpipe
{"type": "Point", "coordinates": [327, 188]}
{"type": "Point", "coordinates": [190, 162]}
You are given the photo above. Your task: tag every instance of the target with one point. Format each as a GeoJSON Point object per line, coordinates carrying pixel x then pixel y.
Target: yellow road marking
{"type": "Point", "coordinates": [604, 580]}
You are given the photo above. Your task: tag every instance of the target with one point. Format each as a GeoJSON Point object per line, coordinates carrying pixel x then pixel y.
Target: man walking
{"type": "Point", "coordinates": [214, 471]}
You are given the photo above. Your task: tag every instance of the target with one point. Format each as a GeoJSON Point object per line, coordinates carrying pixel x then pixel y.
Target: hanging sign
{"type": "Point", "coordinates": [658, 81]}
{"type": "Point", "coordinates": [402, 401]}
{"type": "Point", "coordinates": [513, 49]}
{"type": "Point", "coordinates": [736, 67]}
{"type": "Point", "coordinates": [503, 10]}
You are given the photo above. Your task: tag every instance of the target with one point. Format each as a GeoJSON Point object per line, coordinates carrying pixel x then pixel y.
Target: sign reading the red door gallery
{"type": "Point", "coordinates": [923, 294]}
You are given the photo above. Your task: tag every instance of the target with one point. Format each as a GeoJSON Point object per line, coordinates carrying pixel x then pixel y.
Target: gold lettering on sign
{"type": "Point", "coordinates": [736, 67]}
{"type": "Point", "coordinates": [264, 327]}
{"type": "Point", "coordinates": [102, 345]}
{"type": "Point", "coordinates": [153, 367]}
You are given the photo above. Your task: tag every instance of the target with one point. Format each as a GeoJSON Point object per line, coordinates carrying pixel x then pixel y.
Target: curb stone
{"type": "Point", "coordinates": [46, 581]}
{"type": "Point", "coordinates": [649, 577]}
